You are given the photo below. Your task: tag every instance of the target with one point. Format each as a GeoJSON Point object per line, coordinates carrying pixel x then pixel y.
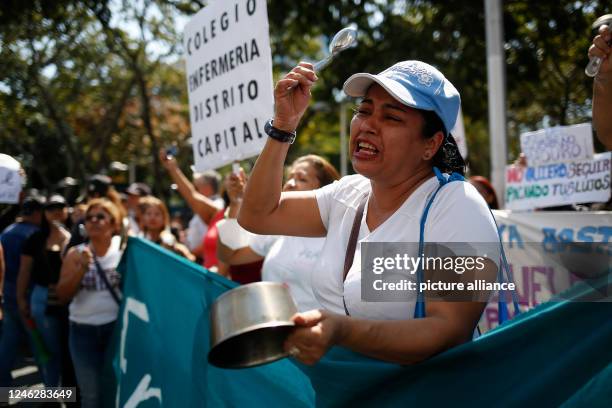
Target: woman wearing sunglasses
{"type": "Point", "coordinates": [90, 281]}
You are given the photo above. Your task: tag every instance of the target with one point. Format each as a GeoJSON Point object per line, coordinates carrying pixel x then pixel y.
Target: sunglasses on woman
{"type": "Point", "coordinates": [95, 217]}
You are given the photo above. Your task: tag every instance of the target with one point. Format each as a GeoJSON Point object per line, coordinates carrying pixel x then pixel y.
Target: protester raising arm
{"type": "Point", "coordinates": [264, 209]}
{"type": "Point", "coordinates": [199, 203]}
{"type": "Point", "coordinates": [306, 173]}
{"type": "Point", "coordinates": [400, 146]}
{"type": "Point", "coordinates": [602, 86]}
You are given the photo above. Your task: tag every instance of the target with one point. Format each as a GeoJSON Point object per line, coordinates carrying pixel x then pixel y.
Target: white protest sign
{"type": "Point", "coordinates": [548, 251]}
{"type": "Point", "coordinates": [559, 183]}
{"type": "Point", "coordinates": [10, 179]}
{"type": "Point", "coordinates": [558, 144]}
{"type": "Point", "coordinates": [229, 79]}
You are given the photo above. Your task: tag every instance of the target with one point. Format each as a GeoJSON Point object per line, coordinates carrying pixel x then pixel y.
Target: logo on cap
{"type": "Point", "coordinates": [421, 73]}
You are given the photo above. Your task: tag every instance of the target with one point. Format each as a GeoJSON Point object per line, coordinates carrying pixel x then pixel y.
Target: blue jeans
{"type": "Point", "coordinates": [88, 345]}
{"type": "Point", "coordinates": [13, 336]}
{"type": "Point", "coordinates": [49, 327]}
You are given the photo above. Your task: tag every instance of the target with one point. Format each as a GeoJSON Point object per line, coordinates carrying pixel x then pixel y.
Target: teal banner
{"type": "Point", "coordinates": [163, 341]}
{"type": "Point", "coordinates": [558, 354]}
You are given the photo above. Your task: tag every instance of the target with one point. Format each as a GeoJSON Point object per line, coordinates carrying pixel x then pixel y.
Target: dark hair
{"type": "Point", "coordinates": [45, 228]}
{"type": "Point", "coordinates": [447, 158]}
{"type": "Point", "coordinates": [32, 204]}
{"type": "Point", "coordinates": [98, 185]}
{"type": "Point", "coordinates": [326, 173]}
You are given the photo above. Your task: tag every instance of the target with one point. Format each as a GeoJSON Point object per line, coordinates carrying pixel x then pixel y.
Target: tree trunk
{"type": "Point", "coordinates": [75, 160]}
{"type": "Point", "coordinates": [146, 118]}
{"type": "Point", "coordinates": [109, 124]}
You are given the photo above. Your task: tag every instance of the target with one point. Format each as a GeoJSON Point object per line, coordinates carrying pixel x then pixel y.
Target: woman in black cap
{"type": "Point", "coordinates": [57, 208]}
{"type": "Point", "coordinates": [405, 156]}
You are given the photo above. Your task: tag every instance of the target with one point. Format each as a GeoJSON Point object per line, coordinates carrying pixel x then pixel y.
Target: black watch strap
{"type": "Point", "coordinates": [277, 134]}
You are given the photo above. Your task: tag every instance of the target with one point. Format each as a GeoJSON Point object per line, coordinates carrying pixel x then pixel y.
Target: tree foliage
{"type": "Point", "coordinates": [84, 83]}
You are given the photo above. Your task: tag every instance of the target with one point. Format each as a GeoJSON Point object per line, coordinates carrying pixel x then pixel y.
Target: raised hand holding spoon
{"type": "Point", "coordinates": [341, 41]}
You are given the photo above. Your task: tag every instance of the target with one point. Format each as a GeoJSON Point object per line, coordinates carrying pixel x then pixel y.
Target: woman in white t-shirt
{"type": "Point", "coordinates": [90, 281]}
{"type": "Point", "coordinates": [288, 259]}
{"type": "Point", "coordinates": [400, 145]}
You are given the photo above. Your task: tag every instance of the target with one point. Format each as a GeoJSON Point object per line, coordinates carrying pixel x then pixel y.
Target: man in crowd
{"type": "Point", "coordinates": [12, 239]}
{"type": "Point", "coordinates": [134, 193]}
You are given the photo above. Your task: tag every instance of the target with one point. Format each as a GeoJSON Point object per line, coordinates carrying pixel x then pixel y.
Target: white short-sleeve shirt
{"type": "Point", "coordinates": [93, 304]}
{"type": "Point", "coordinates": [458, 214]}
{"type": "Point", "coordinates": [290, 260]}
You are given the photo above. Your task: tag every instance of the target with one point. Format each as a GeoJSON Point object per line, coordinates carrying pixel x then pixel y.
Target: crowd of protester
{"type": "Point", "coordinates": [58, 273]}
{"type": "Point", "coordinates": [58, 263]}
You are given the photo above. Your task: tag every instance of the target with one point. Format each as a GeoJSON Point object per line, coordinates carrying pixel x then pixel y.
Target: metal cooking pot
{"type": "Point", "coordinates": [249, 325]}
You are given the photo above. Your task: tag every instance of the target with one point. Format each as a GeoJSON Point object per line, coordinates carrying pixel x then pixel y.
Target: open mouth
{"type": "Point", "coordinates": [366, 148]}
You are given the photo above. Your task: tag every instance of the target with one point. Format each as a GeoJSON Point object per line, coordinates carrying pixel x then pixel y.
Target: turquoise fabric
{"type": "Point", "coordinates": [559, 353]}
{"type": "Point", "coordinates": [172, 346]}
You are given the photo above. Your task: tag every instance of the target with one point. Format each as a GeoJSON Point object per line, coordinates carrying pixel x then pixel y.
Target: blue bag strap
{"type": "Point", "coordinates": [419, 309]}
{"type": "Point", "coordinates": [502, 308]}
{"type": "Point", "coordinates": [504, 267]}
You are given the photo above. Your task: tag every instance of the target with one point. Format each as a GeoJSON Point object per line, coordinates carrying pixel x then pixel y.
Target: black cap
{"type": "Point", "coordinates": [139, 189]}
{"type": "Point", "coordinates": [56, 201]}
{"type": "Point", "coordinates": [98, 184]}
{"type": "Point", "coordinates": [32, 203]}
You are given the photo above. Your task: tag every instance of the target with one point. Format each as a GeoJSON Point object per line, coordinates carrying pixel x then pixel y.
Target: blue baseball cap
{"type": "Point", "coordinates": [415, 84]}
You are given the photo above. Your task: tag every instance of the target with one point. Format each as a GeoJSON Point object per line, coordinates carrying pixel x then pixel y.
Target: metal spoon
{"type": "Point", "coordinates": [595, 62]}
{"type": "Point", "coordinates": [341, 41]}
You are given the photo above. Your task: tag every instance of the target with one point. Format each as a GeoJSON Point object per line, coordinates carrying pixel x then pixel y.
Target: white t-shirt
{"type": "Point", "coordinates": [195, 232]}
{"type": "Point", "coordinates": [458, 214]}
{"type": "Point", "coordinates": [134, 228]}
{"type": "Point", "coordinates": [198, 228]}
{"type": "Point", "coordinates": [290, 260]}
{"type": "Point", "coordinates": [93, 304]}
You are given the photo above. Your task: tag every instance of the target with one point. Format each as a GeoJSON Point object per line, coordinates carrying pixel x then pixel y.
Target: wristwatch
{"type": "Point", "coordinates": [277, 134]}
